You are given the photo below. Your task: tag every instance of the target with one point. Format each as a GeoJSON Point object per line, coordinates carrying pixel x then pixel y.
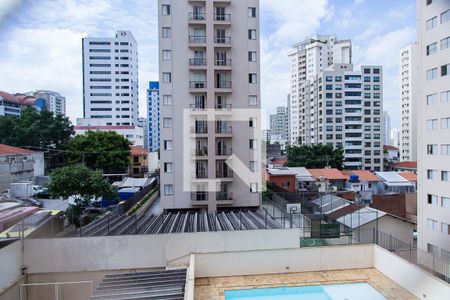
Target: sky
{"type": "Point", "coordinates": [41, 41]}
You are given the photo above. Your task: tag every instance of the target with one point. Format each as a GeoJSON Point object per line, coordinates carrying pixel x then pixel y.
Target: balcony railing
{"type": "Point", "coordinates": [222, 17]}
{"type": "Point", "coordinates": [222, 39]}
{"type": "Point", "coordinates": [223, 106]}
{"type": "Point", "coordinates": [223, 84]}
{"type": "Point", "coordinates": [222, 62]}
{"type": "Point", "coordinates": [222, 196]}
{"type": "Point", "coordinates": [201, 152]}
{"type": "Point", "coordinates": [199, 196]}
{"type": "Point", "coordinates": [224, 173]}
{"type": "Point", "coordinates": [194, 39]}
{"type": "Point", "coordinates": [223, 129]}
{"type": "Point", "coordinates": [224, 151]}
{"type": "Point", "coordinates": [197, 61]}
{"type": "Point", "coordinates": [196, 84]}
{"type": "Point", "coordinates": [197, 107]}
{"type": "Point", "coordinates": [197, 16]}
{"type": "Point", "coordinates": [201, 174]}
{"type": "Point", "coordinates": [200, 129]}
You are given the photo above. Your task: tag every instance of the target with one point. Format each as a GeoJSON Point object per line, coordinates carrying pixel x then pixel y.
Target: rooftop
{"type": "Point", "coordinates": [410, 176]}
{"type": "Point", "coordinates": [6, 149]}
{"type": "Point", "coordinates": [280, 172]}
{"type": "Point", "coordinates": [406, 165]}
{"type": "Point", "coordinates": [330, 174]}
{"type": "Point", "coordinates": [363, 175]}
{"type": "Point", "coordinates": [393, 178]}
{"type": "Point", "coordinates": [389, 147]}
{"type": "Point", "coordinates": [138, 151]}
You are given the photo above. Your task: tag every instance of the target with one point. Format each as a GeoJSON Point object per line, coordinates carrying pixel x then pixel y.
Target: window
{"type": "Point", "coordinates": [167, 100]}
{"type": "Point", "coordinates": [445, 97]}
{"type": "Point", "coordinates": [252, 12]}
{"type": "Point", "coordinates": [329, 87]}
{"type": "Point", "coordinates": [376, 79]}
{"type": "Point", "coordinates": [167, 77]}
{"type": "Point", "coordinates": [168, 167]}
{"type": "Point", "coordinates": [431, 48]}
{"type": "Point", "coordinates": [252, 34]}
{"type": "Point", "coordinates": [253, 166]}
{"type": "Point", "coordinates": [432, 249]}
{"type": "Point", "coordinates": [445, 228]}
{"type": "Point", "coordinates": [252, 144]}
{"type": "Point", "coordinates": [253, 187]}
{"type": "Point", "coordinates": [329, 78]}
{"type": "Point", "coordinates": [252, 122]}
{"type": "Point", "coordinates": [167, 122]}
{"type": "Point", "coordinates": [252, 78]}
{"type": "Point", "coordinates": [168, 189]}
{"type": "Point", "coordinates": [432, 124]}
{"type": "Point", "coordinates": [366, 78]}
{"type": "Point", "coordinates": [432, 74]}
{"type": "Point", "coordinates": [166, 55]}
{"type": "Point", "coordinates": [432, 224]}
{"type": "Point", "coordinates": [166, 32]}
{"type": "Point", "coordinates": [252, 100]}
{"type": "Point", "coordinates": [376, 71]}
{"type": "Point", "coordinates": [445, 149]}
{"type": "Point", "coordinates": [432, 174]}
{"type": "Point", "coordinates": [445, 16]}
{"type": "Point", "coordinates": [432, 99]}
{"type": "Point", "coordinates": [168, 145]}
{"type": "Point", "coordinates": [445, 43]}
{"type": "Point", "coordinates": [445, 176]}
{"type": "Point", "coordinates": [432, 149]}
{"type": "Point", "coordinates": [165, 10]}
{"type": "Point", "coordinates": [366, 71]}
{"type": "Point", "coordinates": [338, 78]}
{"type": "Point", "coordinates": [252, 56]}
{"type": "Point", "coordinates": [445, 69]}
{"type": "Point", "coordinates": [445, 202]}
{"type": "Point", "coordinates": [431, 23]}
{"type": "Point", "coordinates": [445, 123]}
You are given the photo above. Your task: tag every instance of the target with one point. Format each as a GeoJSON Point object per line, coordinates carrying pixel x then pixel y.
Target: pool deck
{"type": "Point", "coordinates": [212, 288]}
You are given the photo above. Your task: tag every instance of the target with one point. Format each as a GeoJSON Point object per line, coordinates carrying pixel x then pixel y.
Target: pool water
{"type": "Point", "coordinates": [351, 291]}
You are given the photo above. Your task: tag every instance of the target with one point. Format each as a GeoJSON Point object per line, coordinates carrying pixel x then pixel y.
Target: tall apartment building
{"type": "Point", "coordinates": [143, 123]}
{"type": "Point", "coordinates": [279, 125]}
{"type": "Point", "coordinates": [54, 101]}
{"type": "Point", "coordinates": [396, 137]}
{"type": "Point", "coordinates": [347, 113]}
{"type": "Point", "coordinates": [153, 116]}
{"type": "Point", "coordinates": [210, 112]}
{"type": "Point", "coordinates": [308, 59]}
{"type": "Point", "coordinates": [386, 128]}
{"type": "Point", "coordinates": [408, 102]}
{"type": "Point", "coordinates": [110, 79]}
{"type": "Point", "coordinates": [433, 140]}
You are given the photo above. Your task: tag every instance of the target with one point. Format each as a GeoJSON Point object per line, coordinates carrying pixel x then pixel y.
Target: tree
{"type": "Point", "coordinates": [38, 129]}
{"type": "Point", "coordinates": [315, 156]}
{"type": "Point", "coordinates": [81, 183]}
{"type": "Point", "coordinates": [104, 150]}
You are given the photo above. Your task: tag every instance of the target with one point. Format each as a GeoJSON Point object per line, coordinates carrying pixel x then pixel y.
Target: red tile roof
{"type": "Point", "coordinates": [279, 162]}
{"type": "Point", "coordinates": [410, 176]}
{"type": "Point", "coordinates": [6, 149]}
{"type": "Point", "coordinates": [363, 175]}
{"type": "Point", "coordinates": [406, 164]}
{"type": "Point", "coordinates": [330, 174]}
{"type": "Point", "coordinates": [389, 147]}
{"type": "Point", "coordinates": [138, 151]}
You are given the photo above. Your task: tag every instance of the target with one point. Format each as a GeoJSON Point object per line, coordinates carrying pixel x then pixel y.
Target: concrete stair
{"type": "Point", "coordinates": [164, 284]}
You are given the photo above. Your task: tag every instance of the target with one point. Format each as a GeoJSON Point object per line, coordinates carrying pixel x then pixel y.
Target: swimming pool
{"type": "Point", "coordinates": [351, 291]}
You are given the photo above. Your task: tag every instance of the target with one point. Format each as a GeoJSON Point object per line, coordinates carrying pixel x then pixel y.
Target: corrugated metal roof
{"type": "Point", "coordinates": [360, 217]}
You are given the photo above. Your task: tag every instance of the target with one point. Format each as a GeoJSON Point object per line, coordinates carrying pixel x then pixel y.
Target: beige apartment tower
{"type": "Point", "coordinates": [433, 25]}
{"type": "Point", "coordinates": [209, 64]}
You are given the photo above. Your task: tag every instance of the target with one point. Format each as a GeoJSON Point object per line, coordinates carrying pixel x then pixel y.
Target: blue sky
{"type": "Point", "coordinates": [41, 46]}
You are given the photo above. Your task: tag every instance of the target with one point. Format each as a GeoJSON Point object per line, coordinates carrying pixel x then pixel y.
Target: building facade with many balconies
{"type": "Point", "coordinates": [210, 107]}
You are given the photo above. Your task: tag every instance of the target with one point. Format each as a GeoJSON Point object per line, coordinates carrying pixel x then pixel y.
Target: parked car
{"type": "Point", "coordinates": [40, 192]}
{"type": "Point", "coordinates": [32, 202]}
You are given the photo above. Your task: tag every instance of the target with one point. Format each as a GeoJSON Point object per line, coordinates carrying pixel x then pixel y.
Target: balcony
{"type": "Point", "coordinates": [197, 62]}
{"type": "Point", "coordinates": [197, 40]}
{"type": "Point", "coordinates": [197, 18]}
{"type": "Point", "coordinates": [222, 18]}
{"type": "Point", "coordinates": [223, 107]}
{"type": "Point", "coordinates": [224, 174]}
{"type": "Point", "coordinates": [200, 129]}
{"type": "Point", "coordinates": [199, 198]}
{"type": "Point", "coordinates": [224, 151]}
{"type": "Point", "coordinates": [224, 129]}
{"type": "Point", "coordinates": [196, 85]}
{"type": "Point", "coordinates": [224, 85]}
{"type": "Point", "coordinates": [197, 107]}
{"type": "Point", "coordinates": [224, 41]}
{"type": "Point", "coordinates": [222, 64]}
{"type": "Point", "coordinates": [201, 152]}
{"type": "Point", "coordinates": [201, 174]}
{"type": "Point", "coordinates": [224, 196]}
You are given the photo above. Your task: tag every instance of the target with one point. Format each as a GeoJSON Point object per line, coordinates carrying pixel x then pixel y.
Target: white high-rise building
{"type": "Point", "coordinates": [143, 123]}
{"type": "Point", "coordinates": [279, 124]}
{"type": "Point", "coordinates": [54, 102]}
{"type": "Point", "coordinates": [154, 116]}
{"type": "Point", "coordinates": [433, 140]}
{"type": "Point", "coordinates": [395, 137]}
{"type": "Point", "coordinates": [408, 102]}
{"type": "Point", "coordinates": [386, 128]}
{"type": "Point", "coordinates": [110, 79]}
{"type": "Point", "coordinates": [308, 59]}
{"type": "Point", "coordinates": [210, 112]}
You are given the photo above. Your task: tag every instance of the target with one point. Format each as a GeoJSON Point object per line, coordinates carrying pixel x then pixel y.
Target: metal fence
{"type": "Point", "coordinates": [126, 205]}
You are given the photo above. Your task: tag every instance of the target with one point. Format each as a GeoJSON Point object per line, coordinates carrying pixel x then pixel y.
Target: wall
{"type": "Point", "coordinates": [39, 163]}
{"type": "Point", "coordinates": [283, 261]}
{"type": "Point", "coordinates": [125, 252]}
{"type": "Point", "coordinates": [284, 179]}
{"type": "Point", "coordinates": [10, 263]}
{"type": "Point", "coordinates": [409, 276]}
{"type": "Point", "coordinates": [402, 230]}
